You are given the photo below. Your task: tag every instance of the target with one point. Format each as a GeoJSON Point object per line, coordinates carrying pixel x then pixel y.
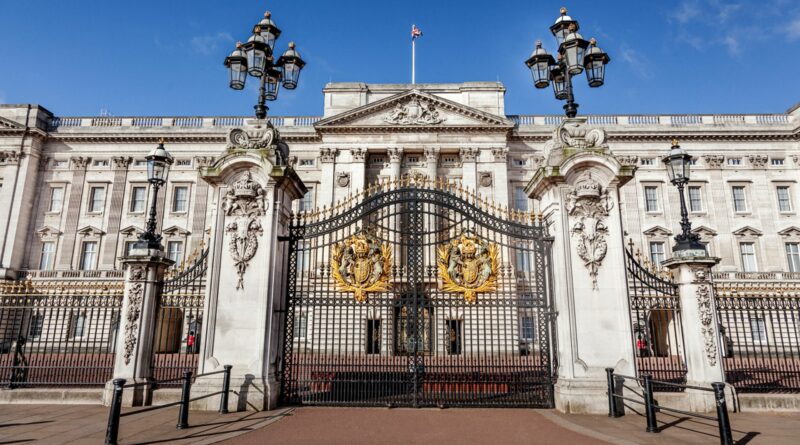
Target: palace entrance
{"type": "Point", "coordinates": [417, 293]}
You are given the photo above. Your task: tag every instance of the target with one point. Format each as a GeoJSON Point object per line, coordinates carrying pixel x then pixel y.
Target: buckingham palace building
{"type": "Point", "coordinates": [412, 246]}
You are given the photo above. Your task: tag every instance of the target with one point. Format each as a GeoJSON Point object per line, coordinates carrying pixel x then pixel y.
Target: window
{"type": "Point", "coordinates": [303, 256]}
{"type": "Point", "coordinates": [307, 163]}
{"type": "Point", "coordinates": [180, 199]}
{"type": "Point", "coordinates": [183, 163]}
{"type": "Point", "coordinates": [89, 255]}
{"type": "Point", "coordinates": [518, 162]}
{"type": "Point", "coordinates": [300, 326]}
{"type": "Point", "coordinates": [373, 336]}
{"type": "Point", "coordinates": [140, 163]}
{"type": "Point", "coordinates": [651, 198]}
{"type": "Point", "coordinates": [734, 161]}
{"type": "Point", "coordinates": [56, 199]}
{"type": "Point", "coordinates": [526, 328]}
{"type": "Point", "coordinates": [693, 161]}
{"type": "Point", "coordinates": [784, 201]}
{"type": "Point", "coordinates": [175, 251]}
{"type": "Point", "coordinates": [758, 330]}
{"type": "Point", "coordinates": [695, 201]}
{"type": "Point", "coordinates": [97, 199]}
{"type": "Point", "coordinates": [307, 203]}
{"type": "Point", "coordinates": [793, 256]}
{"type": "Point", "coordinates": [739, 201]}
{"type": "Point", "coordinates": [520, 199]}
{"type": "Point", "coordinates": [657, 255]}
{"type": "Point", "coordinates": [648, 161]}
{"type": "Point", "coordinates": [37, 325]}
{"type": "Point", "coordinates": [60, 164]}
{"type": "Point", "coordinates": [748, 253]}
{"type": "Point", "coordinates": [776, 161]}
{"type": "Point", "coordinates": [413, 159]}
{"type": "Point", "coordinates": [77, 326]}
{"type": "Point", "coordinates": [100, 163]}
{"type": "Point", "coordinates": [48, 256]}
{"type": "Point", "coordinates": [138, 199]}
{"type": "Point", "coordinates": [449, 160]}
{"type": "Point", "coordinates": [523, 257]}
{"type": "Point", "coordinates": [129, 247]}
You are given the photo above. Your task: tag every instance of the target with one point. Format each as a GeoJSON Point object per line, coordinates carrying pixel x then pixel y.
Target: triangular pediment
{"type": "Point", "coordinates": [747, 231]}
{"type": "Point", "coordinates": [704, 231]}
{"type": "Point", "coordinates": [657, 231]}
{"type": "Point", "coordinates": [48, 232]}
{"type": "Point", "coordinates": [8, 124]}
{"type": "Point", "coordinates": [176, 231]}
{"type": "Point", "coordinates": [131, 231]}
{"type": "Point", "coordinates": [414, 110]}
{"type": "Point", "coordinates": [91, 231]}
{"type": "Point", "coordinates": [790, 231]}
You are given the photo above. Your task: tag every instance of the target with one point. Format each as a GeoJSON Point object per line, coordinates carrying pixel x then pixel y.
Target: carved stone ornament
{"type": "Point", "coordinates": [796, 160]}
{"type": "Point", "coordinates": [343, 179]}
{"type": "Point", "coordinates": [361, 264]}
{"type": "Point", "coordinates": [415, 112]}
{"type": "Point", "coordinates": [588, 206]}
{"type": "Point", "coordinates": [575, 134]}
{"type": "Point", "coordinates": [469, 154]}
{"type": "Point", "coordinates": [758, 161]}
{"type": "Point", "coordinates": [485, 179]}
{"type": "Point", "coordinates": [244, 203]}
{"type": "Point", "coordinates": [500, 154]}
{"type": "Point", "coordinates": [432, 155]}
{"type": "Point", "coordinates": [80, 162]}
{"type": "Point", "coordinates": [628, 161]}
{"type": "Point", "coordinates": [263, 137]}
{"type": "Point", "coordinates": [395, 154]}
{"type": "Point", "coordinates": [468, 265]}
{"type": "Point", "coordinates": [707, 321]}
{"type": "Point", "coordinates": [359, 154]}
{"type": "Point", "coordinates": [135, 299]}
{"type": "Point", "coordinates": [327, 154]}
{"type": "Point", "coordinates": [415, 177]}
{"type": "Point", "coordinates": [714, 161]}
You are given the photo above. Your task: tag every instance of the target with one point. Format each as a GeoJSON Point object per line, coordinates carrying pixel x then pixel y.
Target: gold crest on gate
{"type": "Point", "coordinates": [361, 264]}
{"type": "Point", "coordinates": [468, 265]}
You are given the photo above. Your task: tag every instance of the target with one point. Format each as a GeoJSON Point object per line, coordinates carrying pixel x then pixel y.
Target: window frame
{"type": "Point", "coordinates": [699, 189]}
{"type": "Point", "coordinates": [761, 324]}
{"type": "Point", "coordinates": [52, 256]}
{"type": "Point", "coordinates": [788, 201]}
{"type": "Point", "coordinates": [736, 209]}
{"type": "Point", "coordinates": [180, 252]}
{"type": "Point", "coordinates": [82, 256]}
{"type": "Point", "coordinates": [50, 207]}
{"type": "Point", "coordinates": [655, 188]}
{"type": "Point", "coordinates": [742, 254]}
{"type": "Point", "coordinates": [792, 258]}
{"type": "Point", "coordinates": [662, 253]}
{"type": "Point", "coordinates": [91, 199]}
{"type": "Point", "coordinates": [174, 199]}
{"type": "Point", "coordinates": [132, 200]}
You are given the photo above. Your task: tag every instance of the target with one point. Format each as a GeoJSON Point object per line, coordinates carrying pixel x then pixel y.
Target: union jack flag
{"type": "Point", "coordinates": [415, 32]}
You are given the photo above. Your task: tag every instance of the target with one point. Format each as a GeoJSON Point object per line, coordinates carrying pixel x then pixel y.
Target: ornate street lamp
{"type": "Point", "coordinates": [574, 56]}
{"type": "Point", "coordinates": [158, 163]}
{"type": "Point", "coordinates": [678, 162]}
{"type": "Point", "coordinates": [256, 58]}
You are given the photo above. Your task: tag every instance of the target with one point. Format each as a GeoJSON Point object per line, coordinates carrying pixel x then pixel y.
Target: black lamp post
{"type": "Point", "coordinates": [678, 162]}
{"type": "Point", "coordinates": [575, 55]}
{"type": "Point", "coordinates": [158, 163]}
{"type": "Point", "coordinates": [255, 58]}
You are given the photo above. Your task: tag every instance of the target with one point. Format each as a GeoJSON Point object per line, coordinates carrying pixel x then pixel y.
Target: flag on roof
{"type": "Point", "coordinates": [415, 32]}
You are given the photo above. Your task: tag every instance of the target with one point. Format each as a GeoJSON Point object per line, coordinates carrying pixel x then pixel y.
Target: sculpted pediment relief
{"type": "Point", "coordinates": [9, 124]}
{"type": "Point", "coordinates": [414, 109]}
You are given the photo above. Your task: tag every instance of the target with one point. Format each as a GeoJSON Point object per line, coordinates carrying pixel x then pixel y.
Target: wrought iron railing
{"type": "Point", "coordinates": [656, 321]}
{"type": "Point", "coordinates": [58, 333]}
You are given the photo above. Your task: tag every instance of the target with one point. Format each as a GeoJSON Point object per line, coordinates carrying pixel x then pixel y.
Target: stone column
{"type": "Point", "coordinates": [120, 166]}
{"type": "Point", "coordinates": [327, 183]}
{"type": "Point", "coordinates": [144, 278]}
{"type": "Point", "coordinates": [21, 180]}
{"type": "Point", "coordinates": [395, 158]}
{"type": "Point", "coordinates": [700, 329]}
{"type": "Point", "coordinates": [432, 163]}
{"type": "Point", "coordinates": [73, 211]}
{"type": "Point", "coordinates": [500, 181]}
{"type": "Point", "coordinates": [358, 169]}
{"type": "Point", "coordinates": [578, 188]}
{"type": "Point", "coordinates": [198, 226]}
{"type": "Point", "coordinates": [469, 175]}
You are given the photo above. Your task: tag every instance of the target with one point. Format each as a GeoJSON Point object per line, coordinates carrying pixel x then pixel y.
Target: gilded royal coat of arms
{"type": "Point", "coordinates": [361, 264]}
{"type": "Point", "coordinates": [468, 265]}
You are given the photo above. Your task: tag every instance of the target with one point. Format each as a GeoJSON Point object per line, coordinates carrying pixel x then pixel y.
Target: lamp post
{"type": "Point", "coordinates": [158, 164]}
{"type": "Point", "coordinates": [678, 162]}
{"type": "Point", "coordinates": [575, 55]}
{"type": "Point", "coordinates": [255, 58]}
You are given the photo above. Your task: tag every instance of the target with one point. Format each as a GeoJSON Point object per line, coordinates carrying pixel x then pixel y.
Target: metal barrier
{"type": "Point", "coordinates": [115, 412]}
{"type": "Point", "coordinates": [616, 407]}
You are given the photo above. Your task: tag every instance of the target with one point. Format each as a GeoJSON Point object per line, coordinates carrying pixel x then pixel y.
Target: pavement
{"type": "Point", "coordinates": [69, 424]}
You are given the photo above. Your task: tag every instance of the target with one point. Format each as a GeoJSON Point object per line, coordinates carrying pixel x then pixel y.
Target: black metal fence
{"type": "Point", "coordinates": [58, 333]}
{"type": "Point", "coordinates": [760, 336]}
{"type": "Point", "coordinates": [656, 322]}
{"type": "Point", "coordinates": [179, 321]}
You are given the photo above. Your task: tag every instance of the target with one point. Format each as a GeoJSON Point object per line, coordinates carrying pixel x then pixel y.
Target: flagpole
{"type": "Point", "coordinates": [413, 61]}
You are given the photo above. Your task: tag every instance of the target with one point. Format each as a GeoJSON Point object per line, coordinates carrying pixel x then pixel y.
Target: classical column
{"type": "Point", "coordinates": [500, 169]}
{"type": "Point", "coordinates": [395, 158]}
{"type": "Point", "coordinates": [469, 175]}
{"type": "Point", "coordinates": [144, 278]}
{"type": "Point", "coordinates": [358, 168]}
{"type": "Point", "coordinates": [578, 188]}
{"type": "Point", "coordinates": [76, 187]}
{"type": "Point", "coordinates": [700, 328]}
{"type": "Point", "coordinates": [120, 166]}
{"type": "Point", "coordinates": [198, 226]}
{"type": "Point", "coordinates": [432, 163]}
{"type": "Point", "coordinates": [327, 183]}
{"type": "Point", "coordinates": [21, 179]}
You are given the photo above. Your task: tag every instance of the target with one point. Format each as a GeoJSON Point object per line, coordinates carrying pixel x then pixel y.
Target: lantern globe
{"type": "Point", "coordinates": [561, 27]}
{"type": "Point", "coordinates": [595, 63]}
{"type": "Point", "coordinates": [158, 163]}
{"type": "Point", "coordinates": [236, 63]}
{"type": "Point", "coordinates": [539, 63]}
{"type": "Point", "coordinates": [269, 31]}
{"type": "Point", "coordinates": [291, 63]}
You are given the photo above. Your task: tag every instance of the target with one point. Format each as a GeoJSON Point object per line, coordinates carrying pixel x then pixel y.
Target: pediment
{"type": "Point", "coordinates": [414, 110]}
{"type": "Point", "coordinates": [748, 231]}
{"type": "Point", "coordinates": [48, 232]}
{"type": "Point", "coordinates": [176, 231]}
{"type": "Point", "coordinates": [8, 124]}
{"type": "Point", "coordinates": [657, 231]}
{"type": "Point", "coordinates": [792, 231]}
{"type": "Point", "coordinates": [704, 231]}
{"type": "Point", "coordinates": [131, 231]}
{"type": "Point", "coordinates": [90, 231]}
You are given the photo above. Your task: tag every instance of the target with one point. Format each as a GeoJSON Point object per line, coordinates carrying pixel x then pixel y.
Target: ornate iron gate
{"type": "Point", "coordinates": [417, 293]}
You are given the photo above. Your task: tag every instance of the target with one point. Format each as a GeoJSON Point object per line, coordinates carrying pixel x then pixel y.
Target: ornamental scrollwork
{"type": "Point", "coordinates": [415, 112]}
{"type": "Point", "coordinates": [707, 322]}
{"type": "Point", "coordinates": [244, 202]}
{"type": "Point", "coordinates": [135, 299]}
{"type": "Point", "coordinates": [468, 265]}
{"type": "Point", "coordinates": [588, 205]}
{"type": "Point", "coordinates": [260, 138]}
{"type": "Point", "coordinates": [361, 264]}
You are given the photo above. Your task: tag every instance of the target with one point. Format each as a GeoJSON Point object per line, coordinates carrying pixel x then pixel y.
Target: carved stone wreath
{"type": "Point", "coordinates": [244, 202]}
{"type": "Point", "coordinates": [588, 206]}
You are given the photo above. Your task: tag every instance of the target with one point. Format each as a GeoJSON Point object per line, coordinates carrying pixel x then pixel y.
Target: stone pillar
{"type": "Point", "coordinates": [700, 330]}
{"type": "Point", "coordinates": [200, 210]}
{"type": "Point", "coordinates": [144, 278]}
{"type": "Point", "coordinates": [432, 163]}
{"type": "Point", "coordinates": [327, 183]}
{"type": "Point", "coordinates": [246, 292]}
{"type": "Point", "coordinates": [469, 175]}
{"type": "Point", "coordinates": [21, 180]}
{"type": "Point", "coordinates": [395, 158]}
{"type": "Point", "coordinates": [73, 211]}
{"type": "Point", "coordinates": [500, 180]}
{"type": "Point", "coordinates": [120, 166]}
{"type": "Point", "coordinates": [358, 169]}
{"type": "Point", "coordinates": [578, 188]}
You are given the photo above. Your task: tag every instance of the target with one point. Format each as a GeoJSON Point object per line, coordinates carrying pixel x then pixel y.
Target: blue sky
{"type": "Point", "coordinates": [165, 57]}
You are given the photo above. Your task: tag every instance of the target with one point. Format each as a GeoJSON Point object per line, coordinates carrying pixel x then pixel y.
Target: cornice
{"type": "Point", "coordinates": [417, 129]}
{"type": "Point", "coordinates": [664, 136]}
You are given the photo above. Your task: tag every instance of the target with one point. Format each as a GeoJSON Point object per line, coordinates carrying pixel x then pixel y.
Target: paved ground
{"type": "Point", "coordinates": [63, 424]}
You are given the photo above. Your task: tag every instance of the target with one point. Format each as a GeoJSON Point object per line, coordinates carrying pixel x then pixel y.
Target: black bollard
{"type": "Point", "coordinates": [112, 430]}
{"type": "Point", "coordinates": [183, 414]}
{"type": "Point", "coordinates": [612, 404]}
{"type": "Point", "coordinates": [226, 388]}
{"type": "Point", "coordinates": [725, 436]}
{"type": "Point", "coordinates": [649, 404]}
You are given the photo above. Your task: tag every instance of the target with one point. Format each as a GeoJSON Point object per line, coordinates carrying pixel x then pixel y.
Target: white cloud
{"type": "Point", "coordinates": [794, 29]}
{"type": "Point", "coordinates": [639, 63]}
{"type": "Point", "coordinates": [209, 44]}
{"type": "Point", "coordinates": [686, 11]}
{"type": "Point", "coordinates": [732, 43]}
